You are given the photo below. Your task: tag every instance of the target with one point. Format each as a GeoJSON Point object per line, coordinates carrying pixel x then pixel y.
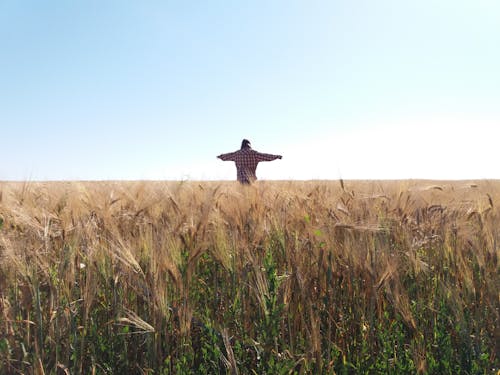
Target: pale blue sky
{"type": "Point", "coordinates": [157, 89]}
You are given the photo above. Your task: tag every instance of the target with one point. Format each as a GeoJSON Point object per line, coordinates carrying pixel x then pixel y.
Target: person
{"type": "Point", "coordinates": [246, 160]}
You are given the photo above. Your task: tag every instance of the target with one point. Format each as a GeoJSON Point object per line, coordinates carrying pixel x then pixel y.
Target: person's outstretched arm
{"type": "Point", "coordinates": [227, 157]}
{"type": "Point", "coordinates": [267, 157]}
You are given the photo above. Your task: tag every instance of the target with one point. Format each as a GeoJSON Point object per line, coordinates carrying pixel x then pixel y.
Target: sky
{"type": "Point", "coordinates": [352, 89]}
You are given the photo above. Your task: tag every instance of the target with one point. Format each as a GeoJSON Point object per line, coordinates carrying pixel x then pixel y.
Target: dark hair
{"type": "Point", "coordinates": [245, 143]}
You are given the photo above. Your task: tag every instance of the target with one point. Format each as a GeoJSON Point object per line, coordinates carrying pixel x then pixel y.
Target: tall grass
{"type": "Point", "coordinates": [275, 278]}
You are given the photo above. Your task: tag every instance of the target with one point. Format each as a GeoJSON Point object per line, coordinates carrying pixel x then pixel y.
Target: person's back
{"type": "Point", "coordinates": [246, 160]}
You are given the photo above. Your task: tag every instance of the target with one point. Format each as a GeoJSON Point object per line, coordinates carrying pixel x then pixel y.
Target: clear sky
{"type": "Point", "coordinates": [100, 89]}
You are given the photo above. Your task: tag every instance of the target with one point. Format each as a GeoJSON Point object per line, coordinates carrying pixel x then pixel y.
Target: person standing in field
{"type": "Point", "coordinates": [246, 160]}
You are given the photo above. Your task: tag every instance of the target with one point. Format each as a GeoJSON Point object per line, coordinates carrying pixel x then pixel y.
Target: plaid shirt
{"type": "Point", "coordinates": [246, 161]}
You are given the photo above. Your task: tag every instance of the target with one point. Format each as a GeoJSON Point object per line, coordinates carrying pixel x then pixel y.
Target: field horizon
{"type": "Point", "coordinates": [284, 276]}
{"type": "Point", "coordinates": [367, 180]}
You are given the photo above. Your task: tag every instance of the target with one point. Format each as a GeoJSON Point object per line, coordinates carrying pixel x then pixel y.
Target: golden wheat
{"type": "Point", "coordinates": [162, 259]}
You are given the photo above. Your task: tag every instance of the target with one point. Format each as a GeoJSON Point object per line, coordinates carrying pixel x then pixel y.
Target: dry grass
{"type": "Point", "coordinates": [324, 277]}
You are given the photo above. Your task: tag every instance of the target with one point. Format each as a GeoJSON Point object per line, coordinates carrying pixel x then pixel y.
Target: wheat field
{"type": "Point", "coordinates": [282, 277]}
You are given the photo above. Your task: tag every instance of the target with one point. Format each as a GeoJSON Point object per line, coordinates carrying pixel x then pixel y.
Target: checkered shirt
{"type": "Point", "coordinates": [246, 161]}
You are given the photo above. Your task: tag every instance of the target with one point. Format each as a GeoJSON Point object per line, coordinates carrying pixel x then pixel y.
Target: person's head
{"type": "Point", "coordinates": [245, 144]}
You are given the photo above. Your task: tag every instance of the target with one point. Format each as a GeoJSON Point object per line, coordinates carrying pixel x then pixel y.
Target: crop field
{"type": "Point", "coordinates": [282, 277]}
